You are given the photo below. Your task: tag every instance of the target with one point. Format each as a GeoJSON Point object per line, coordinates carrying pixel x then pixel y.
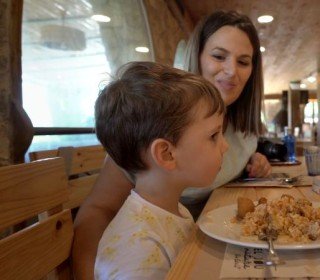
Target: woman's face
{"type": "Point", "coordinates": [226, 61]}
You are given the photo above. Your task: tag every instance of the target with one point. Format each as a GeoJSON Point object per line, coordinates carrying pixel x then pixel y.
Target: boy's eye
{"type": "Point", "coordinates": [215, 136]}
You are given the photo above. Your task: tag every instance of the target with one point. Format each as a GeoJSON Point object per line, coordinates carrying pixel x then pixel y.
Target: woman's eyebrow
{"type": "Point", "coordinates": [226, 51]}
{"type": "Point", "coordinates": [220, 49]}
{"type": "Point", "coordinates": [245, 56]}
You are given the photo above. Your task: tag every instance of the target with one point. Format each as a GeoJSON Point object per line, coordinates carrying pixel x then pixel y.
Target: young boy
{"type": "Point", "coordinates": [163, 126]}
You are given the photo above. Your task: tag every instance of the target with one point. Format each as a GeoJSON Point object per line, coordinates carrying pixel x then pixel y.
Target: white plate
{"type": "Point", "coordinates": [217, 224]}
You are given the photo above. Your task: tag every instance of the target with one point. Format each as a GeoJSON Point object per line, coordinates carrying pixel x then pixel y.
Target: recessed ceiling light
{"type": "Point", "coordinates": [101, 18]}
{"type": "Point", "coordinates": [262, 49]}
{"type": "Point", "coordinates": [142, 49]}
{"type": "Point", "coordinates": [311, 79]}
{"type": "Point", "coordinates": [265, 19]}
{"type": "Point", "coordinates": [303, 85]}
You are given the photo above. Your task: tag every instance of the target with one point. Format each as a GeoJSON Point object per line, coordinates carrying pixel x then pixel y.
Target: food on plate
{"type": "Point", "coordinates": [296, 219]}
{"type": "Point", "coordinates": [262, 200]}
{"type": "Point", "coordinates": [245, 205]}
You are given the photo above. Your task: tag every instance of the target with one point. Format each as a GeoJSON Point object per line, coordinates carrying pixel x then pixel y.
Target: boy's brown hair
{"type": "Point", "coordinates": [146, 102]}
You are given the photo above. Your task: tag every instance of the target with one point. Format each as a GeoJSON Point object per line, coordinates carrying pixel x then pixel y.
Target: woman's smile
{"type": "Point", "coordinates": [226, 85]}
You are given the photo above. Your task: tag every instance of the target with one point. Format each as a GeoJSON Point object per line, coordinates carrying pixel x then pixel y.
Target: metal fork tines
{"type": "Point", "coordinates": [270, 235]}
{"type": "Point", "coordinates": [272, 258]}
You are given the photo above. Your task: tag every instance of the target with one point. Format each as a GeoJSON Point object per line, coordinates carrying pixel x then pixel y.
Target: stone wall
{"type": "Point", "coordinates": [5, 84]}
{"type": "Point", "coordinates": [318, 97]}
{"type": "Point", "coordinates": [165, 30]}
{"type": "Point", "coordinates": [16, 129]}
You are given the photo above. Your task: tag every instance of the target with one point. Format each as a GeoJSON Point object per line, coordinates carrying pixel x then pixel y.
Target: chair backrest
{"type": "Point", "coordinates": [82, 166]}
{"type": "Point", "coordinates": [26, 191]}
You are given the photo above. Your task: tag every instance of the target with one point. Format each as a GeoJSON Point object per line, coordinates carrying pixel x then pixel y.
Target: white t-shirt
{"type": "Point", "coordinates": [142, 241]}
{"type": "Point", "coordinates": [235, 160]}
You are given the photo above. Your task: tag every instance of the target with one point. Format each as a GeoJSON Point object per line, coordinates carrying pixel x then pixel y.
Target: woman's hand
{"type": "Point", "coordinates": [258, 166]}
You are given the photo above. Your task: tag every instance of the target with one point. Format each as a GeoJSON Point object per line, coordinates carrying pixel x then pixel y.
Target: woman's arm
{"type": "Point", "coordinates": [109, 193]}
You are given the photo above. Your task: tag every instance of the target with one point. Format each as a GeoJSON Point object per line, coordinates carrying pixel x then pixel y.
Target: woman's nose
{"type": "Point", "coordinates": [230, 67]}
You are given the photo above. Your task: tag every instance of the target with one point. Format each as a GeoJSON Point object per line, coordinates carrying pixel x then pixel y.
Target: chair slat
{"type": "Point", "coordinates": [38, 249]}
{"type": "Point", "coordinates": [84, 159]}
{"type": "Point", "coordinates": [43, 154]}
{"type": "Point", "coordinates": [79, 190]}
{"type": "Point", "coordinates": [82, 162]}
{"type": "Point", "coordinates": [29, 189]}
{"type": "Point", "coordinates": [87, 159]}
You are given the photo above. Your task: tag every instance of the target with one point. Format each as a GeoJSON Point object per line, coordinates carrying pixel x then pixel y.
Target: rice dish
{"type": "Point", "coordinates": [294, 218]}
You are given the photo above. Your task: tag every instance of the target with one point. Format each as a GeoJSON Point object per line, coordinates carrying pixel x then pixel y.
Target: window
{"type": "Point", "coordinates": [70, 48]}
{"type": "Point", "coordinates": [179, 56]}
{"type": "Point", "coordinates": [311, 112]}
{"type": "Point", "coordinates": [272, 109]}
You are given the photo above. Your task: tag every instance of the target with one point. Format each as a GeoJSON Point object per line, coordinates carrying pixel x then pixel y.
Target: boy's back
{"type": "Point", "coordinates": [141, 241]}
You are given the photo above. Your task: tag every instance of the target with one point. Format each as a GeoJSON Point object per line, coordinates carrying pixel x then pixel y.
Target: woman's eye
{"type": "Point", "coordinates": [244, 63]}
{"type": "Point", "coordinates": [218, 57]}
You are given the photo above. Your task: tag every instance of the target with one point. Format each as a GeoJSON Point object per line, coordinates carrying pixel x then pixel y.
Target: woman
{"type": "Point", "coordinates": [225, 50]}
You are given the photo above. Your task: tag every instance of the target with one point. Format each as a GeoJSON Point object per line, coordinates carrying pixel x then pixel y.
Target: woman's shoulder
{"type": "Point", "coordinates": [238, 136]}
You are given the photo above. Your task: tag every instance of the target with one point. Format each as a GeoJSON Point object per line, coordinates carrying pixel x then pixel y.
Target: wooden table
{"type": "Point", "coordinates": [202, 257]}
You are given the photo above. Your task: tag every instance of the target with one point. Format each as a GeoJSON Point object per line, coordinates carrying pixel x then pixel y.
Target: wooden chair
{"type": "Point", "coordinates": [82, 166]}
{"type": "Point", "coordinates": [28, 190]}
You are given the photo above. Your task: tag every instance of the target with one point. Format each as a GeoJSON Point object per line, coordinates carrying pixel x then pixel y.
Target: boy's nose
{"type": "Point", "coordinates": [225, 145]}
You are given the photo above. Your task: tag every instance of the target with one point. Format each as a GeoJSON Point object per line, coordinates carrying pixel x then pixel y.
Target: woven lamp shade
{"type": "Point", "coordinates": [62, 37]}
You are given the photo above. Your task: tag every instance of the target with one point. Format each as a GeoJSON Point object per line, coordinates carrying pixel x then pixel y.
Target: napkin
{"type": "Point", "coordinates": [243, 262]}
{"type": "Point", "coordinates": [274, 181]}
{"type": "Point", "coordinates": [258, 183]}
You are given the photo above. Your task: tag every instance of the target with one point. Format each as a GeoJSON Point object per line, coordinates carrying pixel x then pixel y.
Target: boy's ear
{"type": "Point", "coordinates": [162, 152]}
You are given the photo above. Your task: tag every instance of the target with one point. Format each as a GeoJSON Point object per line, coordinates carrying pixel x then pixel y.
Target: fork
{"type": "Point", "coordinates": [272, 258]}
{"type": "Point", "coordinates": [290, 180]}
{"type": "Point", "coordinates": [270, 235]}
{"type": "Point", "coordinates": [287, 180]}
